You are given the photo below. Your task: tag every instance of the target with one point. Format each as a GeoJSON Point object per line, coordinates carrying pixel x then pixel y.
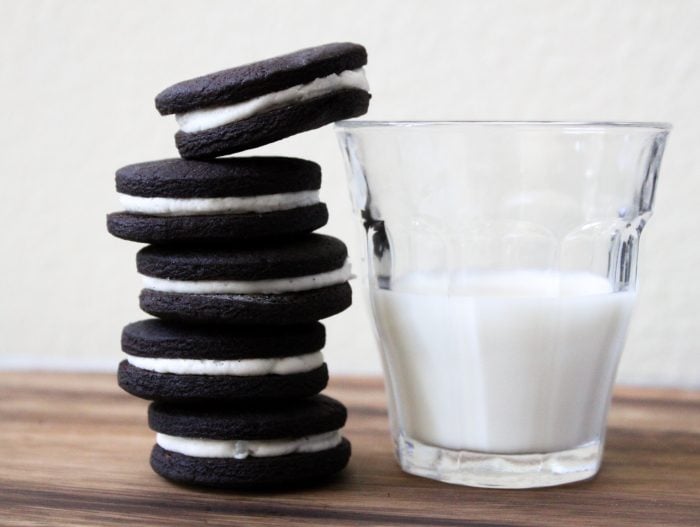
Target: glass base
{"type": "Point", "coordinates": [504, 471]}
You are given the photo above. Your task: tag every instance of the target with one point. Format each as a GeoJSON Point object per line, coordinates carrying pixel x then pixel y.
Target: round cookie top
{"type": "Point", "coordinates": [230, 177]}
{"type": "Point", "coordinates": [293, 257]}
{"type": "Point", "coordinates": [268, 420]}
{"type": "Point", "coordinates": [251, 80]}
{"type": "Point", "coordinates": [163, 339]}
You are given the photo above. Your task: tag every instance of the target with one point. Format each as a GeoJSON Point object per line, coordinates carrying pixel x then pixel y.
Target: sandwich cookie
{"type": "Point", "coordinates": [252, 105]}
{"type": "Point", "coordinates": [290, 281]}
{"type": "Point", "coordinates": [169, 361]}
{"type": "Point", "coordinates": [256, 445]}
{"type": "Point", "coordinates": [174, 200]}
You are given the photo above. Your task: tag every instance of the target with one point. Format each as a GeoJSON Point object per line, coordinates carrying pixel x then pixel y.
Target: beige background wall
{"type": "Point", "coordinates": [77, 81]}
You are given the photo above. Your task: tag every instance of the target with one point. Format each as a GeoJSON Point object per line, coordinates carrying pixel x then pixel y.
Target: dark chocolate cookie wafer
{"type": "Point", "coordinates": [249, 446]}
{"type": "Point", "coordinates": [176, 362]}
{"type": "Point", "coordinates": [235, 199]}
{"type": "Point", "coordinates": [248, 106]}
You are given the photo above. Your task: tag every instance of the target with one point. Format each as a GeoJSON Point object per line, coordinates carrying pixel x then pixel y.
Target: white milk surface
{"type": "Point", "coordinates": [507, 362]}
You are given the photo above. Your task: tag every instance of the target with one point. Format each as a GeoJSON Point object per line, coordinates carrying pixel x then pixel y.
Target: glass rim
{"type": "Point", "coordinates": [361, 123]}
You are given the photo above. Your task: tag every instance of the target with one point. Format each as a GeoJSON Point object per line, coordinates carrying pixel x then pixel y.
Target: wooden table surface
{"type": "Point", "coordinates": [74, 451]}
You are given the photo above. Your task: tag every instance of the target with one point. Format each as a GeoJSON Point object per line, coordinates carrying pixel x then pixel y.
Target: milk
{"type": "Point", "coordinates": [501, 362]}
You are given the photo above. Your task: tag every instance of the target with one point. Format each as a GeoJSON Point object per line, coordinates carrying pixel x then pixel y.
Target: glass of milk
{"type": "Point", "coordinates": [502, 269]}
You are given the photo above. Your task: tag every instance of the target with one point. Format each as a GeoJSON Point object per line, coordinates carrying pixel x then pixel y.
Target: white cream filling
{"type": "Point", "coordinates": [243, 448]}
{"type": "Point", "coordinates": [240, 287]}
{"type": "Point", "coordinates": [206, 118]}
{"type": "Point", "coordinates": [241, 367]}
{"type": "Point", "coordinates": [158, 206]}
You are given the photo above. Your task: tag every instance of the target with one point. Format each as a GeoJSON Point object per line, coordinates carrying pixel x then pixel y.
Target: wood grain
{"type": "Point", "coordinates": [74, 451]}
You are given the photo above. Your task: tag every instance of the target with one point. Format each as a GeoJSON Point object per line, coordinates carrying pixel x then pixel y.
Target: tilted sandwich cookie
{"type": "Point", "coordinates": [175, 200]}
{"type": "Point", "coordinates": [249, 446]}
{"type": "Point", "coordinates": [292, 281]}
{"type": "Point", "coordinates": [178, 362]}
{"type": "Point", "coordinates": [252, 105]}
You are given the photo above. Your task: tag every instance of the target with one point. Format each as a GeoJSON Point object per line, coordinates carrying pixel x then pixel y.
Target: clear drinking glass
{"type": "Point", "coordinates": [502, 268]}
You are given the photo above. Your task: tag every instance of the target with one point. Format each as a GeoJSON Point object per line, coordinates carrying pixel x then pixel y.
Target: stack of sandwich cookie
{"type": "Point", "coordinates": [236, 278]}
